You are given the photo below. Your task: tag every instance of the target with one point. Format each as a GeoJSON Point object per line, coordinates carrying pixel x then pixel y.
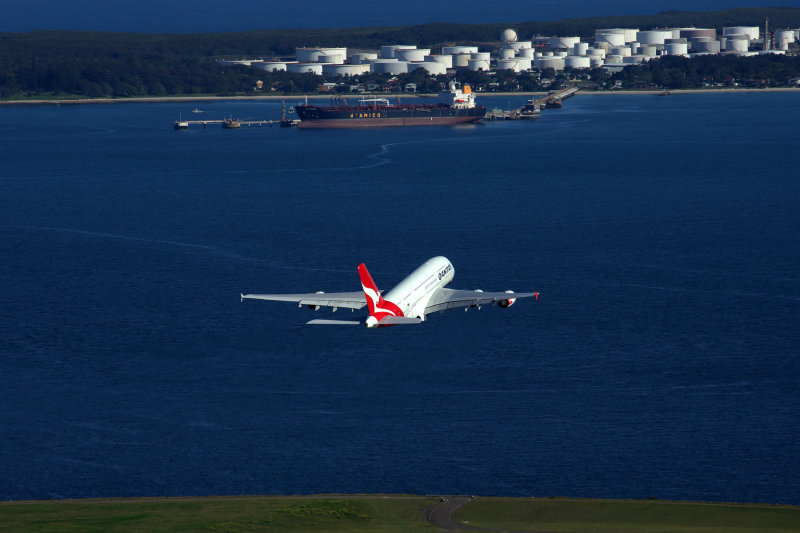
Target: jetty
{"type": "Point", "coordinates": [533, 108]}
{"type": "Point", "coordinates": [232, 123]}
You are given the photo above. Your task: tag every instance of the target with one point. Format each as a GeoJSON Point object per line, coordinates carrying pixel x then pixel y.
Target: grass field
{"type": "Point", "coordinates": [221, 515]}
{"type": "Point", "coordinates": [376, 513]}
{"type": "Point", "coordinates": [623, 516]}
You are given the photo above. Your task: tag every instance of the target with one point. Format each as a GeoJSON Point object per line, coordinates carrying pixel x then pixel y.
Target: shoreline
{"type": "Point", "coordinates": [176, 99]}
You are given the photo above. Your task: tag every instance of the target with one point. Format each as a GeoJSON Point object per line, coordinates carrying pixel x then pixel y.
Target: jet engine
{"type": "Point", "coordinates": [506, 302]}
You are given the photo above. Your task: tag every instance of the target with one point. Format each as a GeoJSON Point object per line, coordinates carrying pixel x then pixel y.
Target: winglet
{"type": "Point", "coordinates": [536, 295]}
{"type": "Point", "coordinates": [242, 295]}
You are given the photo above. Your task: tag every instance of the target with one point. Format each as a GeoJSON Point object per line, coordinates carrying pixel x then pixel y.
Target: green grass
{"type": "Point", "coordinates": [621, 516]}
{"type": "Point", "coordinates": [384, 514]}
{"type": "Point", "coordinates": [221, 515]}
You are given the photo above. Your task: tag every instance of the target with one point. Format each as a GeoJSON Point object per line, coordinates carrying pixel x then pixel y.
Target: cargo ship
{"type": "Point", "coordinates": [458, 107]}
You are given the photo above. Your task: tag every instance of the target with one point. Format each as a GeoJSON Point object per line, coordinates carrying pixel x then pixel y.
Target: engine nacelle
{"type": "Point", "coordinates": [507, 302]}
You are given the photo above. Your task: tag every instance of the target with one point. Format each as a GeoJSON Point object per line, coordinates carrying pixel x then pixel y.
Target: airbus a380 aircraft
{"type": "Point", "coordinates": [423, 292]}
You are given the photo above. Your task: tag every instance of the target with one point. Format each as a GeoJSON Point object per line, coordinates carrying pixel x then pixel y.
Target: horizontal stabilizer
{"type": "Point", "coordinates": [335, 322]}
{"type": "Point", "coordinates": [397, 320]}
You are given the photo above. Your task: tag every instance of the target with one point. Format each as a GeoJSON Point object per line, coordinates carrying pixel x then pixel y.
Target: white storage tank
{"type": "Point", "coordinates": [611, 39]}
{"type": "Point", "coordinates": [615, 59]}
{"type": "Point", "coordinates": [481, 55]}
{"type": "Point", "coordinates": [383, 66]}
{"type": "Point", "coordinates": [519, 45]}
{"type": "Point", "coordinates": [653, 36]}
{"type": "Point", "coordinates": [334, 59]}
{"type": "Point", "coordinates": [270, 66]}
{"type": "Point", "coordinates": [528, 53]}
{"type": "Point", "coordinates": [692, 33]}
{"type": "Point", "coordinates": [507, 53]}
{"type": "Point", "coordinates": [478, 64]}
{"type": "Point", "coordinates": [307, 56]}
{"type": "Point", "coordinates": [578, 62]}
{"type": "Point", "coordinates": [622, 51]}
{"type": "Point", "coordinates": [633, 60]}
{"type": "Point", "coordinates": [556, 63]}
{"type": "Point", "coordinates": [454, 50]}
{"type": "Point", "coordinates": [508, 64]}
{"type": "Point", "coordinates": [737, 43]}
{"type": "Point", "coordinates": [388, 51]}
{"type": "Point", "coordinates": [345, 70]}
{"type": "Point", "coordinates": [460, 60]}
{"type": "Point", "coordinates": [648, 50]}
{"type": "Point", "coordinates": [363, 57]}
{"type": "Point", "coordinates": [412, 54]}
{"type": "Point", "coordinates": [446, 60]}
{"type": "Point", "coordinates": [752, 32]}
{"type": "Point", "coordinates": [596, 62]}
{"type": "Point", "coordinates": [676, 49]}
{"type": "Point", "coordinates": [301, 68]}
{"type": "Point", "coordinates": [783, 38]}
{"type": "Point", "coordinates": [312, 55]}
{"type": "Point", "coordinates": [706, 47]}
{"type": "Point", "coordinates": [580, 49]}
{"type": "Point", "coordinates": [596, 52]}
{"type": "Point", "coordinates": [567, 43]}
{"type": "Point", "coordinates": [628, 34]}
{"type": "Point", "coordinates": [524, 63]}
{"type": "Point", "coordinates": [434, 68]}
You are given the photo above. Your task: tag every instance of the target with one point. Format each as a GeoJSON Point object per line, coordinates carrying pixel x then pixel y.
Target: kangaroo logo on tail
{"type": "Point", "coordinates": [378, 307]}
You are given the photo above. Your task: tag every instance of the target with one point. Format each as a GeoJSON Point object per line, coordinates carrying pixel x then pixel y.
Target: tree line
{"type": "Point", "coordinates": [99, 64]}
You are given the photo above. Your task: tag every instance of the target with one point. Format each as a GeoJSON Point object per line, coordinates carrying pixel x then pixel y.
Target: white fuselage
{"type": "Point", "coordinates": [413, 293]}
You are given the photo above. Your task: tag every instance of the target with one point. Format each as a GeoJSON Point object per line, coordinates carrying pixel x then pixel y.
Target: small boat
{"type": "Point", "coordinates": [231, 123]}
{"type": "Point", "coordinates": [195, 110]}
{"type": "Point", "coordinates": [181, 124]}
{"type": "Point", "coordinates": [664, 93]}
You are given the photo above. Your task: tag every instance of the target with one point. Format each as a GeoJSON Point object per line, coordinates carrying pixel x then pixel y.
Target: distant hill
{"type": "Point", "coordinates": [99, 64]}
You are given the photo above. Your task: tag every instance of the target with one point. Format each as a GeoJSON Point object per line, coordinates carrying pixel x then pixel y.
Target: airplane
{"type": "Point", "coordinates": [421, 293]}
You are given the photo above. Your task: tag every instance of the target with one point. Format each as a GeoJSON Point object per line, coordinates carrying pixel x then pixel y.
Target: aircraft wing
{"type": "Point", "coordinates": [349, 300]}
{"type": "Point", "coordinates": [444, 299]}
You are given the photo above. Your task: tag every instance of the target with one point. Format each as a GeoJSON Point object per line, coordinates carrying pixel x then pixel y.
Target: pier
{"type": "Point", "coordinates": [232, 123]}
{"type": "Point", "coordinates": [533, 109]}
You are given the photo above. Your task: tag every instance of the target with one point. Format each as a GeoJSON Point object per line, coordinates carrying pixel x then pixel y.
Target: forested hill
{"type": "Point", "coordinates": [130, 64]}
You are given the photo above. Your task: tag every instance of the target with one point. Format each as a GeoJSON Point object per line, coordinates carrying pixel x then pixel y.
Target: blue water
{"type": "Point", "coordinates": [192, 16]}
{"type": "Point", "coordinates": [661, 359]}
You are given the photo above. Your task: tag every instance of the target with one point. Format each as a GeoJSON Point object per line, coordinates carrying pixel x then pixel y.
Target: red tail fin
{"type": "Point", "coordinates": [378, 307]}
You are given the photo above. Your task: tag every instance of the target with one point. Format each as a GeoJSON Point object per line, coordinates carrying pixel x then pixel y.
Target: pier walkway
{"type": "Point", "coordinates": [533, 109]}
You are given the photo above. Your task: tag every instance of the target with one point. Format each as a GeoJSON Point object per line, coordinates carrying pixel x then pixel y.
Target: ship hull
{"type": "Point", "coordinates": [377, 117]}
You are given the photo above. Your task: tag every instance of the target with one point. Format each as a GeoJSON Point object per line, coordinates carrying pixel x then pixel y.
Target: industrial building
{"type": "Point", "coordinates": [612, 48]}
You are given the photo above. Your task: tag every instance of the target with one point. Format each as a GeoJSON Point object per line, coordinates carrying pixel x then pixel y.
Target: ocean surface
{"type": "Point", "coordinates": [195, 16]}
{"type": "Point", "coordinates": [661, 360]}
